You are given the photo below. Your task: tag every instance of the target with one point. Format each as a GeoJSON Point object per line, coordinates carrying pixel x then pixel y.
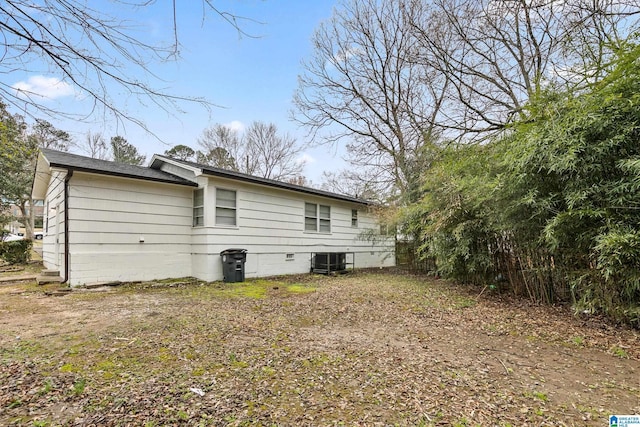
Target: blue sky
{"type": "Point", "coordinates": [250, 78]}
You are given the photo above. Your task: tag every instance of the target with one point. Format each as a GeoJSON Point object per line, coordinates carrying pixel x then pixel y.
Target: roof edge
{"type": "Point", "coordinates": [122, 175]}
{"type": "Point", "coordinates": [238, 176]}
{"type": "Point", "coordinates": [156, 158]}
{"type": "Point", "coordinates": [50, 157]}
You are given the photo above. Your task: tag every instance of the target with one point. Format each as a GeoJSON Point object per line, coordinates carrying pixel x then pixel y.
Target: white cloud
{"type": "Point", "coordinates": [44, 87]}
{"type": "Point", "coordinates": [343, 57]}
{"type": "Point", "coordinates": [305, 159]}
{"type": "Point", "coordinates": [236, 125]}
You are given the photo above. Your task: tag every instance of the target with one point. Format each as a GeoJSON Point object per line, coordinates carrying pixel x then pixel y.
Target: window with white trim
{"type": "Point", "coordinates": [310, 217]}
{"type": "Point", "coordinates": [325, 219]}
{"type": "Point", "coordinates": [198, 207]}
{"type": "Point", "coordinates": [225, 207]}
{"type": "Point", "coordinates": [354, 218]}
{"type": "Point", "coordinates": [317, 218]}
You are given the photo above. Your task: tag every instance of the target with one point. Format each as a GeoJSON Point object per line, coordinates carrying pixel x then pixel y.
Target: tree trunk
{"type": "Point", "coordinates": [28, 216]}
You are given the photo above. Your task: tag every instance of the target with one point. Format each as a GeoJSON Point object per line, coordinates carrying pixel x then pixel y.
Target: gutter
{"type": "Point", "coordinates": [199, 169]}
{"type": "Point", "coordinates": [66, 225]}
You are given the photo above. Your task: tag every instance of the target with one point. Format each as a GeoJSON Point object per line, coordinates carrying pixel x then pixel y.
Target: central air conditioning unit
{"type": "Point", "coordinates": [328, 262]}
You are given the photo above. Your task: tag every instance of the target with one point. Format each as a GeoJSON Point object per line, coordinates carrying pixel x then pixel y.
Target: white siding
{"type": "Point", "coordinates": [108, 218]}
{"type": "Point", "coordinates": [178, 171]}
{"type": "Point", "coordinates": [53, 223]}
{"type": "Point", "coordinates": [270, 224]}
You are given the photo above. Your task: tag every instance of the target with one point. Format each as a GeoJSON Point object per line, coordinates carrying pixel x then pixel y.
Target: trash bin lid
{"type": "Point", "coordinates": [233, 251]}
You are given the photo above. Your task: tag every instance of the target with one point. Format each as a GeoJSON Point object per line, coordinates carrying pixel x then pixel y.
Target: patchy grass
{"type": "Point", "coordinates": [579, 341]}
{"type": "Point", "coordinates": [619, 352]}
{"type": "Point", "coordinates": [360, 349]}
{"type": "Point", "coordinates": [251, 289]}
{"type": "Point", "coordinates": [300, 289]}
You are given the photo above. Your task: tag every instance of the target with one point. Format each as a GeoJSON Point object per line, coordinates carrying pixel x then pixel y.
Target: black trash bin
{"type": "Point", "coordinates": [233, 264]}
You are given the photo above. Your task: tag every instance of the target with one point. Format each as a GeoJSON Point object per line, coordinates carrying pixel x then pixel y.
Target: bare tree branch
{"type": "Point", "coordinates": [363, 86]}
{"type": "Point", "coordinates": [95, 146]}
{"type": "Point", "coordinates": [499, 54]}
{"type": "Point", "coordinates": [96, 53]}
{"type": "Point", "coordinates": [261, 151]}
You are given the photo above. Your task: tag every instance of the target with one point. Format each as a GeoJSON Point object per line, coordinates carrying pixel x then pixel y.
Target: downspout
{"type": "Point", "coordinates": [66, 225]}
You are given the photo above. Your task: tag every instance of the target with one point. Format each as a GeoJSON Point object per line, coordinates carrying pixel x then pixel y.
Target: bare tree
{"type": "Point", "coordinates": [221, 136]}
{"type": "Point", "coordinates": [362, 86]}
{"type": "Point", "coordinates": [261, 151]}
{"type": "Point", "coordinates": [95, 146]}
{"type": "Point", "coordinates": [390, 77]}
{"type": "Point", "coordinates": [498, 54]}
{"type": "Point", "coordinates": [355, 184]}
{"type": "Point", "coordinates": [269, 154]}
{"type": "Point", "coordinates": [300, 180]}
{"type": "Point", "coordinates": [91, 51]}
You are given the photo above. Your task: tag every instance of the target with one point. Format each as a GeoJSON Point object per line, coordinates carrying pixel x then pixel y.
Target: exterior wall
{"type": "Point", "coordinates": [270, 225]}
{"type": "Point", "coordinates": [53, 223]}
{"type": "Point", "coordinates": [126, 229]}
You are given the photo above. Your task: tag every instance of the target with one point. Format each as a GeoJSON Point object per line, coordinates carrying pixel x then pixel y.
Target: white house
{"type": "Point", "coordinates": [106, 221]}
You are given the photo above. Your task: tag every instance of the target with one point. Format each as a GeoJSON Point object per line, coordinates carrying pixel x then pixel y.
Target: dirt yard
{"type": "Point", "coordinates": [362, 349]}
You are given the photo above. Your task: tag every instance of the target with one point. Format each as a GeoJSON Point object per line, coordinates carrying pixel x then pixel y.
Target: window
{"type": "Point", "coordinates": [290, 257]}
{"type": "Point", "coordinates": [354, 217]}
{"type": "Point", "coordinates": [198, 207]}
{"type": "Point", "coordinates": [325, 219]}
{"type": "Point", "coordinates": [310, 217]}
{"type": "Point", "coordinates": [317, 218]}
{"type": "Point", "coordinates": [225, 207]}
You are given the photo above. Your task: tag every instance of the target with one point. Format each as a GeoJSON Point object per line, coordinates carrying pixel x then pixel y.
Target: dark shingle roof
{"type": "Point", "coordinates": [224, 173]}
{"type": "Point", "coordinates": [87, 164]}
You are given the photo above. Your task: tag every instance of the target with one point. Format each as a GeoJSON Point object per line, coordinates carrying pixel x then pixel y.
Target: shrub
{"type": "Point", "coordinates": [16, 252]}
{"type": "Point", "coordinates": [550, 208]}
